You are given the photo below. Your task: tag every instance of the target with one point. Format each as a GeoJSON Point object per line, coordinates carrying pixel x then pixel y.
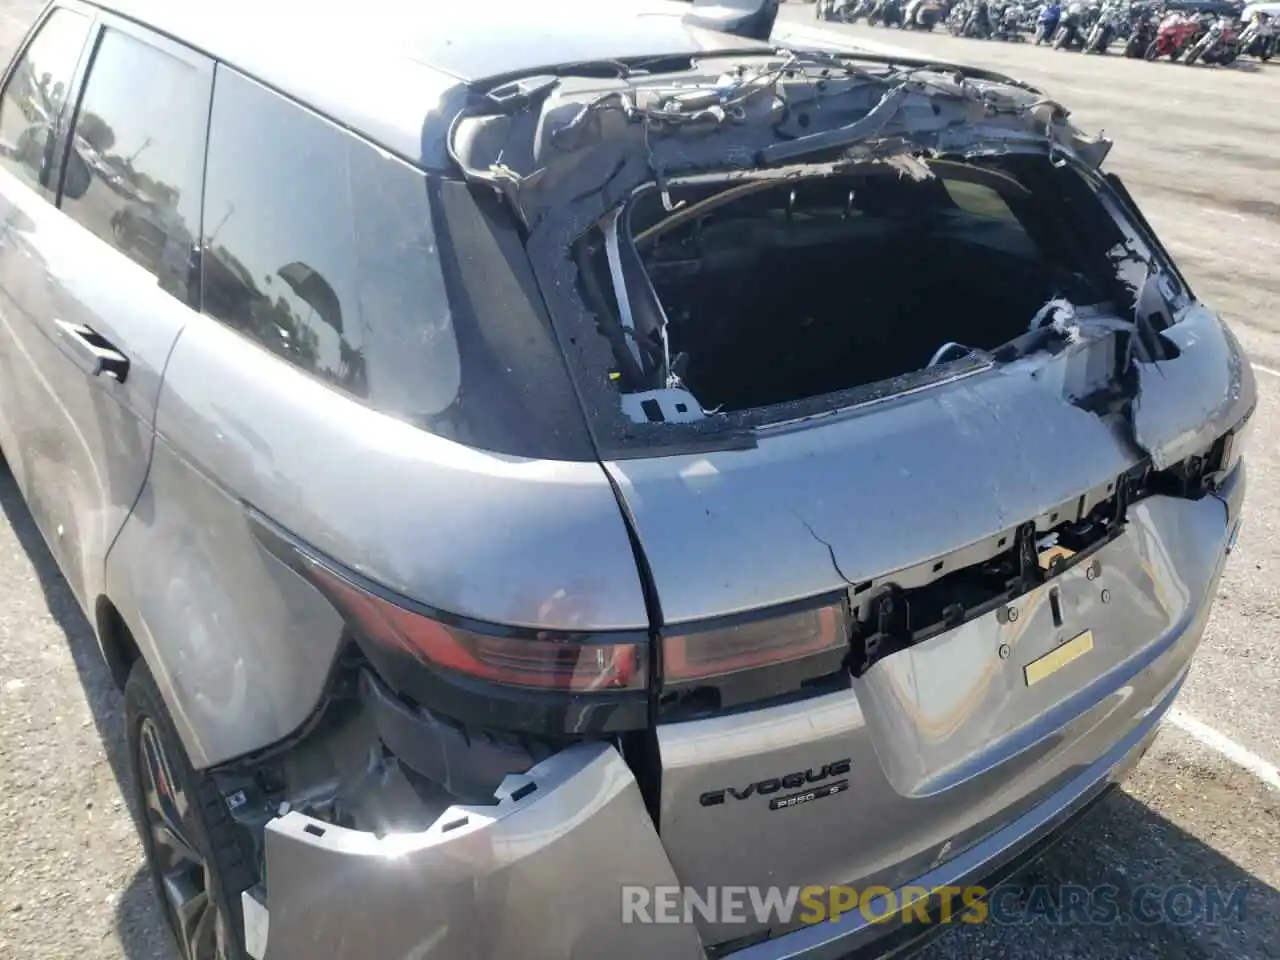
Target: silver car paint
{"type": "Point", "coordinates": [243, 647]}
{"type": "Point", "coordinates": [476, 889]}
{"type": "Point", "coordinates": [78, 444]}
{"type": "Point", "coordinates": [947, 740]}
{"type": "Point", "coordinates": [344, 63]}
{"type": "Point", "coordinates": [895, 484]}
{"type": "Point", "coordinates": [835, 939]}
{"type": "Point", "coordinates": [539, 877]}
{"type": "Point", "coordinates": [1184, 404]}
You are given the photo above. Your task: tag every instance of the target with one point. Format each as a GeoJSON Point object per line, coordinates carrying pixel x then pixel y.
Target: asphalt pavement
{"type": "Point", "coordinates": [1197, 147]}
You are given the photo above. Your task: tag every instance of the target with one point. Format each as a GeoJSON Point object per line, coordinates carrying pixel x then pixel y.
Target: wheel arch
{"type": "Point", "coordinates": [119, 648]}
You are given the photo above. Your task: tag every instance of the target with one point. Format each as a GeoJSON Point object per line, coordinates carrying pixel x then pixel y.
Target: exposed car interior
{"type": "Point", "coordinates": [775, 291]}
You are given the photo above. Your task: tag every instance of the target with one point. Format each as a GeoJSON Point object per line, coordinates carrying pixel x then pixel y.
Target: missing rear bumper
{"type": "Point", "coordinates": [989, 863]}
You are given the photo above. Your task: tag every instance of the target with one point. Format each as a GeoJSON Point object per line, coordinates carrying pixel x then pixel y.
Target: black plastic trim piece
{"type": "Point", "coordinates": [640, 749]}
{"type": "Point", "coordinates": [469, 767]}
{"type": "Point", "coordinates": [1119, 192]}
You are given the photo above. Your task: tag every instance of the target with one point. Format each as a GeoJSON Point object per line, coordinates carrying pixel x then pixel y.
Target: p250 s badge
{"type": "Point", "coordinates": [816, 780]}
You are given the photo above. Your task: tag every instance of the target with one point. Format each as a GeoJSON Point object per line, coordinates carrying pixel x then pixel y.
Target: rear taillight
{"type": "Point", "coordinates": [763, 642]}
{"type": "Point", "coordinates": [753, 658]}
{"type": "Point", "coordinates": [533, 661]}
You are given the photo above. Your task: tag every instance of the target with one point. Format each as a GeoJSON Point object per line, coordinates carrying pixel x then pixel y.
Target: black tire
{"type": "Point", "coordinates": [1152, 52]}
{"type": "Point", "coordinates": [206, 830]}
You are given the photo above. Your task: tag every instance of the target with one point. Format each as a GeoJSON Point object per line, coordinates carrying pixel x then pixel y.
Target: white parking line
{"type": "Point", "coordinates": [1267, 370]}
{"type": "Point", "coordinates": [1224, 745]}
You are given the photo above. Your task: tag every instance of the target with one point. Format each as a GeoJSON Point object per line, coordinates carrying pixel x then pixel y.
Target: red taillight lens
{"type": "Point", "coordinates": [568, 665]}
{"type": "Point", "coordinates": [766, 642]}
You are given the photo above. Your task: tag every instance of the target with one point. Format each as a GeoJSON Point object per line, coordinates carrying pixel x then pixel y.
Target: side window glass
{"type": "Point", "coordinates": [412, 350]}
{"type": "Point", "coordinates": [280, 257]}
{"type": "Point", "coordinates": [139, 139]}
{"type": "Point", "coordinates": [32, 101]}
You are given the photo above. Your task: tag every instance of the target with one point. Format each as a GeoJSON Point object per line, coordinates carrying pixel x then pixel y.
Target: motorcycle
{"type": "Point", "coordinates": [1007, 24]}
{"type": "Point", "coordinates": [1141, 36]}
{"type": "Point", "coordinates": [977, 24]}
{"type": "Point", "coordinates": [888, 12]}
{"type": "Point", "coordinates": [922, 15]}
{"type": "Point", "coordinates": [1047, 22]}
{"type": "Point", "coordinates": [1092, 14]}
{"type": "Point", "coordinates": [1218, 45]}
{"type": "Point", "coordinates": [842, 11]}
{"type": "Point", "coordinates": [1070, 34]}
{"type": "Point", "coordinates": [1101, 34]}
{"type": "Point", "coordinates": [1258, 38]}
{"type": "Point", "coordinates": [1174, 34]}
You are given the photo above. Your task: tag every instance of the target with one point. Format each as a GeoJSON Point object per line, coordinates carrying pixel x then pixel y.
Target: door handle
{"type": "Point", "coordinates": [92, 352]}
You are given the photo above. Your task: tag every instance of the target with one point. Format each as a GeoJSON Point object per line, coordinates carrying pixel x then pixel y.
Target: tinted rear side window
{"type": "Point", "coordinates": [391, 285]}
{"type": "Point", "coordinates": [31, 106]}
{"type": "Point", "coordinates": [139, 133]}
{"type": "Point", "coordinates": [320, 248]}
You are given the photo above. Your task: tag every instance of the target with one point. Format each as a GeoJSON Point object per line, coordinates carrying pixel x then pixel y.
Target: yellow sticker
{"type": "Point", "coordinates": [1055, 660]}
{"type": "Point", "coordinates": [1047, 557]}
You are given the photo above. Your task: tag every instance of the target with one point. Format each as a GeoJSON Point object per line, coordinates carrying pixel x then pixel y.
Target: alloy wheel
{"type": "Point", "coordinates": [183, 876]}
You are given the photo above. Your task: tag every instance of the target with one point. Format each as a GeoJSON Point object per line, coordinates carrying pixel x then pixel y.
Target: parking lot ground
{"type": "Point", "coordinates": [1197, 147]}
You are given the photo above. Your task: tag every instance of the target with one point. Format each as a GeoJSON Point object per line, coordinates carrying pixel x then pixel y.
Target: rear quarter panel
{"type": "Point", "coordinates": [242, 647]}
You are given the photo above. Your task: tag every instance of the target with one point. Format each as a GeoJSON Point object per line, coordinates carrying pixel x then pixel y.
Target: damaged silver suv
{"type": "Point", "coordinates": [533, 464]}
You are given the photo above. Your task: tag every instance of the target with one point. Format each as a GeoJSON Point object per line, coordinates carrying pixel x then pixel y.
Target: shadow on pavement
{"type": "Point", "coordinates": [139, 921]}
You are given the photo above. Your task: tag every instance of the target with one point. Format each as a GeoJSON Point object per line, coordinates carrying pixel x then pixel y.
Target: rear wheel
{"type": "Point", "coordinates": [194, 852]}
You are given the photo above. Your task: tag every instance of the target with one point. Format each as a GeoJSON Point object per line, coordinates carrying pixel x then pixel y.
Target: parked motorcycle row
{"type": "Point", "coordinates": [907, 14]}
{"type": "Point", "coordinates": [1209, 32]}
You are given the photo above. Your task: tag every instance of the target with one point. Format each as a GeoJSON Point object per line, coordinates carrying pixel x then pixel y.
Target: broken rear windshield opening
{"type": "Point", "coordinates": [719, 296]}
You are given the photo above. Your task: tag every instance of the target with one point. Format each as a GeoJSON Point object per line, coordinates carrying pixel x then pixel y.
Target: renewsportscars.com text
{"type": "Point", "coordinates": [1066, 904]}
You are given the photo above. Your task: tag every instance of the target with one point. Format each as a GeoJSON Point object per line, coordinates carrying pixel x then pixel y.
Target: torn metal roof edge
{"type": "Point", "coordinates": [576, 138]}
